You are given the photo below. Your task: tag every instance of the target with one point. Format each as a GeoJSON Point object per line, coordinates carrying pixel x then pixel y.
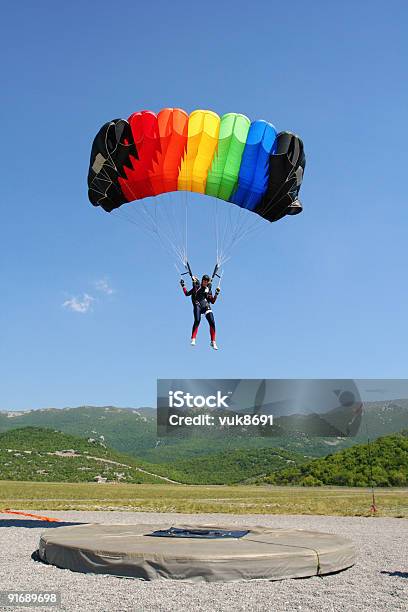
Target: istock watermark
{"type": "Point", "coordinates": [258, 407]}
{"type": "Point", "coordinates": [179, 399]}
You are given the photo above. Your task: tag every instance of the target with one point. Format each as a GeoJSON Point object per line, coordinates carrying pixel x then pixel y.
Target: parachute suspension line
{"type": "Point", "coordinates": [178, 269]}
{"type": "Point", "coordinates": [240, 227]}
{"type": "Point", "coordinates": [238, 240]}
{"type": "Point", "coordinates": [219, 279]}
{"type": "Point", "coordinates": [165, 241]}
{"type": "Point", "coordinates": [236, 230]}
{"type": "Point", "coordinates": [180, 223]}
{"type": "Point", "coordinates": [177, 223]}
{"type": "Point", "coordinates": [167, 246]}
{"type": "Point", "coordinates": [186, 232]}
{"type": "Point", "coordinates": [186, 203]}
{"type": "Point", "coordinates": [172, 226]}
{"type": "Point", "coordinates": [119, 212]}
{"type": "Point", "coordinates": [216, 205]}
{"type": "Point", "coordinates": [241, 230]}
{"type": "Point", "coordinates": [147, 214]}
{"type": "Point", "coordinates": [225, 232]}
{"type": "Point", "coordinates": [223, 229]}
{"type": "Point", "coordinates": [217, 273]}
{"type": "Point", "coordinates": [167, 226]}
{"type": "Point", "coordinates": [229, 231]}
{"type": "Point", "coordinates": [150, 223]}
{"type": "Point", "coordinates": [216, 229]}
{"type": "Point", "coordinates": [246, 229]}
{"type": "Point", "coordinates": [177, 230]}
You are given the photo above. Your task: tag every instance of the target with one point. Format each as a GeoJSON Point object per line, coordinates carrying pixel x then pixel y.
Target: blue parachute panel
{"type": "Point", "coordinates": [254, 170]}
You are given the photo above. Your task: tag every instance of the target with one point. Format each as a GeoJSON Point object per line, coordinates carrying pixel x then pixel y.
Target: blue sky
{"type": "Point", "coordinates": [323, 294]}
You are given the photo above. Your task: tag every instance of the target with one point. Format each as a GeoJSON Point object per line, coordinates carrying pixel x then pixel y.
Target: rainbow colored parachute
{"type": "Point", "coordinates": [229, 157]}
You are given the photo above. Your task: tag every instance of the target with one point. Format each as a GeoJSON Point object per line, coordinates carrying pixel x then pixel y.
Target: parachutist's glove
{"type": "Point", "coordinates": [217, 291]}
{"type": "Point", "coordinates": [182, 283]}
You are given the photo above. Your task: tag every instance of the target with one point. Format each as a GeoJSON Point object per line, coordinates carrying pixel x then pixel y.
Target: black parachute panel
{"type": "Point", "coordinates": [286, 169]}
{"type": "Point", "coordinates": [110, 155]}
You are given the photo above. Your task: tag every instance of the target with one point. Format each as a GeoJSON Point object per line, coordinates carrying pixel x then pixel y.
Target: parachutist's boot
{"type": "Point", "coordinates": [213, 345]}
{"type": "Point", "coordinates": [193, 341]}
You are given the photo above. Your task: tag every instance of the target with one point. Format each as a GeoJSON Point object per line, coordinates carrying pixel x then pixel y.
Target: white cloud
{"type": "Point", "coordinates": [84, 303]}
{"type": "Point", "coordinates": [103, 286]}
{"type": "Point", "coordinates": [77, 304]}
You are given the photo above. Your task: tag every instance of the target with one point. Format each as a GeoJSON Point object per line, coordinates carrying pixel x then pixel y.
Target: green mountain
{"type": "Point", "coordinates": [386, 459]}
{"type": "Point", "coordinates": [133, 431]}
{"type": "Point", "coordinates": [230, 467]}
{"type": "Point", "coordinates": [36, 454]}
{"type": "Point", "coordinates": [125, 429]}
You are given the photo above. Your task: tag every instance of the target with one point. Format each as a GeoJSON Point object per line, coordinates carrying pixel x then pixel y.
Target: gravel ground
{"type": "Point", "coordinates": [378, 581]}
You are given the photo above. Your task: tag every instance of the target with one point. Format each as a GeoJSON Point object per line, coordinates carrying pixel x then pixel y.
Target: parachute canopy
{"type": "Point", "coordinates": [230, 158]}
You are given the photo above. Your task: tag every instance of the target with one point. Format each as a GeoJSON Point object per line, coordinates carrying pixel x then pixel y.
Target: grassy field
{"type": "Point", "coordinates": [190, 499]}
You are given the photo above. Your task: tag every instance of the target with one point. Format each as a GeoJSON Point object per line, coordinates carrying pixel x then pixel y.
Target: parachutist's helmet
{"type": "Point", "coordinates": [205, 278]}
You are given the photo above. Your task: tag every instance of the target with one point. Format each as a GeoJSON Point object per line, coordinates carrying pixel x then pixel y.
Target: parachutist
{"type": "Point", "coordinates": [230, 158]}
{"type": "Point", "coordinates": [202, 298]}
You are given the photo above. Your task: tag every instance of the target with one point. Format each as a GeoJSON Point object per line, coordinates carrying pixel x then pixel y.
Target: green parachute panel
{"type": "Point", "coordinates": [222, 178]}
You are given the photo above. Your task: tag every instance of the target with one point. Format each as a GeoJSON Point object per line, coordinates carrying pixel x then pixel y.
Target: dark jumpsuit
{"type": "Point", "coordinates": [201, 298]}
